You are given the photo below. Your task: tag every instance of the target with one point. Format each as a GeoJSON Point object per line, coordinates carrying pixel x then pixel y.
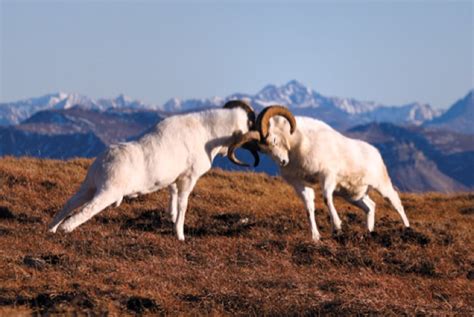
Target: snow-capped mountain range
{"type": "Point", "coordinates": [18, 111]}
{"type": "Point", "coordinates": [341, 112]}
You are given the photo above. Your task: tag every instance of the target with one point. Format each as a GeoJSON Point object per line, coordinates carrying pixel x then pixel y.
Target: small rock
{"type": "Point", "coordinates": [34, 262]}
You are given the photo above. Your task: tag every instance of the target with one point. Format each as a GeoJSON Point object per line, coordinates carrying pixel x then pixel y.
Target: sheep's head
{"type": "Point", "coordinates": [252, 147]}
{"type": "Point", "coordinates": [274, 125]}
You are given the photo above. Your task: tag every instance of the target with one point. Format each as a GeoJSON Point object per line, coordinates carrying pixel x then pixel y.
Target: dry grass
{"type": "Point", "coordinates": [247, 251]}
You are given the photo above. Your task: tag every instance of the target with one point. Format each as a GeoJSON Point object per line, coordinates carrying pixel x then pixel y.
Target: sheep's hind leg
{"type": "Point", "coordinates": [368, 206]}
{"type": "Point", "coordinates": [76, 201]}
{"type": "Point", "coordinates": [173, 204]}
{"type": "Point", "coordinates": [101, 200]}
{"type": "Point", "coordinates": [390, 193]}
{"type": "Point", "coordinates": [185, 187]}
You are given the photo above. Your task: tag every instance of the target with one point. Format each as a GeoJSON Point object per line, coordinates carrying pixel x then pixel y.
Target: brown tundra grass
{"type": "Point", "coordinates": [248, 252]}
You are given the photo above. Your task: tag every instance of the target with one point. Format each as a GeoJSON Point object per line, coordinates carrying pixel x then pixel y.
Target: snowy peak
{"type": "Point", "coordinates": [292, 88]}
{"type": "Point", "coordinates": [306, 101]}
{"type": "Point", "coordinates": [122, 101]}
{"type": "Point", "coordinates": [292, 93]}
{"type": "Point", "coordinates": [16, 112]}
{"type": "Point", "coordinates": [352, 106]}
{"type": "Point", "coordinates": [180, 105]}
{"type": "Point", "coordinates": [420, 113]}
{"type": "Point", "coordinates": [67, 101]}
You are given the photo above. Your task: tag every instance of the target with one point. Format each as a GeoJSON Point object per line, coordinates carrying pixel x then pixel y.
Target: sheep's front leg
{"type": "Point", "coordinates": [307, 195]}
{"type": "Point", "coordinates": [173, 205]}
{"type": "Point", "coordinates": [329, 186]}
{"type": "Point", "coordinates": [185, 187]}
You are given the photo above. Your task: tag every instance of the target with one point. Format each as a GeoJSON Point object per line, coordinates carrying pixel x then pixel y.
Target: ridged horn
{"type": "Point", "coordinates": [263, 119]}
{"type": "Point", "coordinates": [244, 105]}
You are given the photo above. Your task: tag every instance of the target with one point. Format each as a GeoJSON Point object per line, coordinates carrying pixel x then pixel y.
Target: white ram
{"type": "Point", "coordinates": [175, 154]}
{"type": "Point", "coordinates": [309, 150]}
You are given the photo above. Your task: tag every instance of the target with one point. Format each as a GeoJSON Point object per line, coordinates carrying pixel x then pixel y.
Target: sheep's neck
{"type": "Point", "coordinates": [219, 141]}
{"type": "Point", "coordinates": [299, 144]}
{"type": "Point", "coordinates": [297, 140]}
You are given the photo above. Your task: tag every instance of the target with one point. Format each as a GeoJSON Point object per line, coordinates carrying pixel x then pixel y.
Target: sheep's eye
{"type": "Point", "coordinates": [274, 141]}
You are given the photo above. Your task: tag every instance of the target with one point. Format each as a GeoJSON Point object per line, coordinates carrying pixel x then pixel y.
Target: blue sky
{"type": "Point", "coordinates": [393, 52]}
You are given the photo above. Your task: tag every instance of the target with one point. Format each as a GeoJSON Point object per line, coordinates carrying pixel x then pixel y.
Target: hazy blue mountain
{"type": "Point", "coordinates": [422, 160]}
{"type": "Point", "coordinates": [459, 117]}
{"type": "Point", "coordinates": [74, 132]}
{"type": "Point", "coordinates": [18, 142]}
{"type": "Point", "coordinates": [111, 126]}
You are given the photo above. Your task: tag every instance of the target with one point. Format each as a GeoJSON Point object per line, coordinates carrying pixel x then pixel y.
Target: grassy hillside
{"type": "Point", "coordinates": [247, 251]}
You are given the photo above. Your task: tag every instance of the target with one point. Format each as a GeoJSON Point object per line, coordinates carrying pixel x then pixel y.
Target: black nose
{"type": "Point", "coordinates": [283, 162]}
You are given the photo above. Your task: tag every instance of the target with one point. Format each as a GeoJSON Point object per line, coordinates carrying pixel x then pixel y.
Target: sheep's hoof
{"type": "Point", "coordinates": [337, 233]}
{"type": "Point", "coordinates": [52, 228]}
{"type": "Point", "coordinates": [67, 228]}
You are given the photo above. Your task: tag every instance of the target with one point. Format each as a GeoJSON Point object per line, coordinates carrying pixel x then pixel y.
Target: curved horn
{"type": "Point", "coordinates": [244, 105]}
{"type": "Point", "coordinates": [252, 147]}
{"type": "Point", "coordinates": [249, 142]}
{"type": "Point", "coordinates": [264, 118]}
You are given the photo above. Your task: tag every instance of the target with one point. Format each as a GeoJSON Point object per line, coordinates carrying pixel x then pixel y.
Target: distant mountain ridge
{"type": "Point", "coordinates": [340, 112]}
{"type": "Point", "coordinates": [15, 112]}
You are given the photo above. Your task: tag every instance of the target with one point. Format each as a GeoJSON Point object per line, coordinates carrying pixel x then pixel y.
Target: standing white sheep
{"type": "Point", "coordinates": [175, 154]}
{"type": "Point", "coordinates": [308, 151]}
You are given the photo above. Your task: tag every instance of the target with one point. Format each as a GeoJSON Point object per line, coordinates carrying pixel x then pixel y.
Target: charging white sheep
{"type": "Point", "coordinates": [308, 151]}
{"type": "Point", "coordinates": [175, 154]}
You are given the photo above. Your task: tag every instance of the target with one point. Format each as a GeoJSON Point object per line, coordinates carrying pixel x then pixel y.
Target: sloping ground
{"type": "Point", "coordinates": [247, 251]}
